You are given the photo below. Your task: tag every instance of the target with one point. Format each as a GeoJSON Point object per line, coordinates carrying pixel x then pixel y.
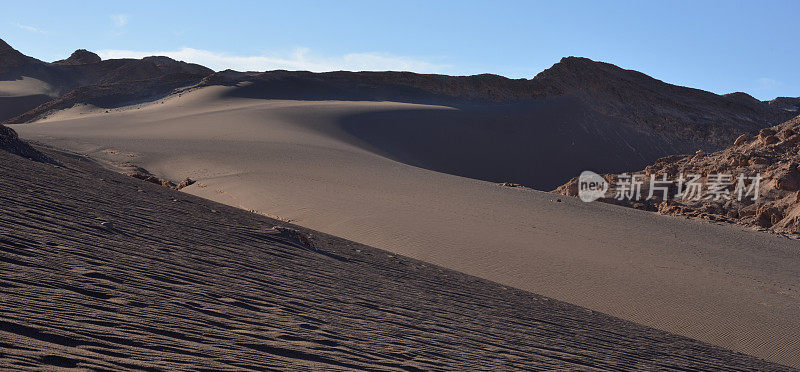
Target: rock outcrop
{"type": "Point", "coordinates": [678, 114]}
{"type": "Point", "coordinates": [773, 154]}
{"type": "Point", "coordinates": [79, 57]}
{"type": "Point", "coordinates": [10, 142]}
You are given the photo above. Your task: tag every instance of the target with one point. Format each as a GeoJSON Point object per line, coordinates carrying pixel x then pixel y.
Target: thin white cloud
{"type": "Point", "coordinates": [766, 83]}
{"type": "Point", "coordinates": [29, 28]}
{"type": "Point", "coordinates": [299, 59]}
{"type": "Point", "coordinates": [119, 20]}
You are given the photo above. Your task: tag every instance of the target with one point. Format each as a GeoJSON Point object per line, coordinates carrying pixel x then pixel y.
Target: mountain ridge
{"type": "Point", "coordinates": [573, 110]}
{"type": "Point", "coordinates": [600, 84]}
{"type": "Point", "coordinates": [84, 76]}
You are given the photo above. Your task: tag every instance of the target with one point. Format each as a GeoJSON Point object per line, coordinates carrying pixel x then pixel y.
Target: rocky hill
{"type": "Point", "coordinates": [682, 119]}
{"type": "Point", "coordinates": [678, 114]}
{"type": "Point", "coordinates": [80, 57]}
{"type": "Point", "coordinates": [688, 119]}
{"type": "Point", "coordinates": [578, 114]}
{"type": "Point", "coordinates": [11, 59]}
{"type": "Point", "coordinates": [773, 154]}
{"type": "Point", "coordinates": [786, 103]}
{"type": "Point", "coordinates": [85, 78]}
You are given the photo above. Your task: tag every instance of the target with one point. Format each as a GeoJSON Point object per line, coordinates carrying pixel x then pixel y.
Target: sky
{"type": "Point", "coordinates": [720, 46]}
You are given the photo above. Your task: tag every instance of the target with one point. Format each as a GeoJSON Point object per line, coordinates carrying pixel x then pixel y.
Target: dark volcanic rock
{"type": "Point", "coordinates": [80, 57]}
{"type": "Point", "coordinates": [168, 66]}
{"type": "Point", "coordinates": [11, 59]}
{"type": "Point", "coordinates": [678, 114]}
{"type": "Point", "coordinates": [10, 142]}
{"type": "Point", "coordinates": [786, 103]}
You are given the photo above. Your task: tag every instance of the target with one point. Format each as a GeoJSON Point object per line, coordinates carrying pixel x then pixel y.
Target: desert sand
{"type": "Point", "coordinates": [26, 86]}
{"type": "Point", "coordinates": [17, 96]}
{"type": "Point", "coordinates": [108, 272]}
{"type": "Point", "coordinates": [301, 162]}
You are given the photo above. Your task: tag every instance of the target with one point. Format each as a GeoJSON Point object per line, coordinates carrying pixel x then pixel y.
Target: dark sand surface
{"type": "Point", "coordinates": [103, 271]}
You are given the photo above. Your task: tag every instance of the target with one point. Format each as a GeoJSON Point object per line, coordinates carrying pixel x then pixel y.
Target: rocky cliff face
{"type": "Point", "coordinates": [773, 154]}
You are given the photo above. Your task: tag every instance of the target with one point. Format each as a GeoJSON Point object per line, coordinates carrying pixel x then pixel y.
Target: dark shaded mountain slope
{"type": "Point", "coordinates": [579, 114]}
{"type": "Point", "coordinates": [677, 114]}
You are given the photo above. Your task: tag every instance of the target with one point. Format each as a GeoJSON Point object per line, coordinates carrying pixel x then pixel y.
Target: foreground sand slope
{"type": "Point", "coordinates": [293, 160]}
{"type": "Point", "coordinates": [103, 271]}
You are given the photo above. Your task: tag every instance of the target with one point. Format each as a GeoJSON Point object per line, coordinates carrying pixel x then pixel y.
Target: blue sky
{"type": "Point", "coordinates": [721, 46]}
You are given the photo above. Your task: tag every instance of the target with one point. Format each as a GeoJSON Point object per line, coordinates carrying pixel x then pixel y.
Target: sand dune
{"type": "Point", "coordinates": [26, 86]}
{"type": "Point", "coordinates": [306, 162]}
{"type": "Point", "coordinates": [20, 95]}
{"type": "Point", "coordinates": [107, 272]}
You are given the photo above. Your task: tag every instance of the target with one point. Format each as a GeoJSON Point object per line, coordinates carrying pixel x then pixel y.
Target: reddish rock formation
{"type": "Point", "coordinates": [774, 154]}
{"type": "Point", "coordinates": [144, 175]}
